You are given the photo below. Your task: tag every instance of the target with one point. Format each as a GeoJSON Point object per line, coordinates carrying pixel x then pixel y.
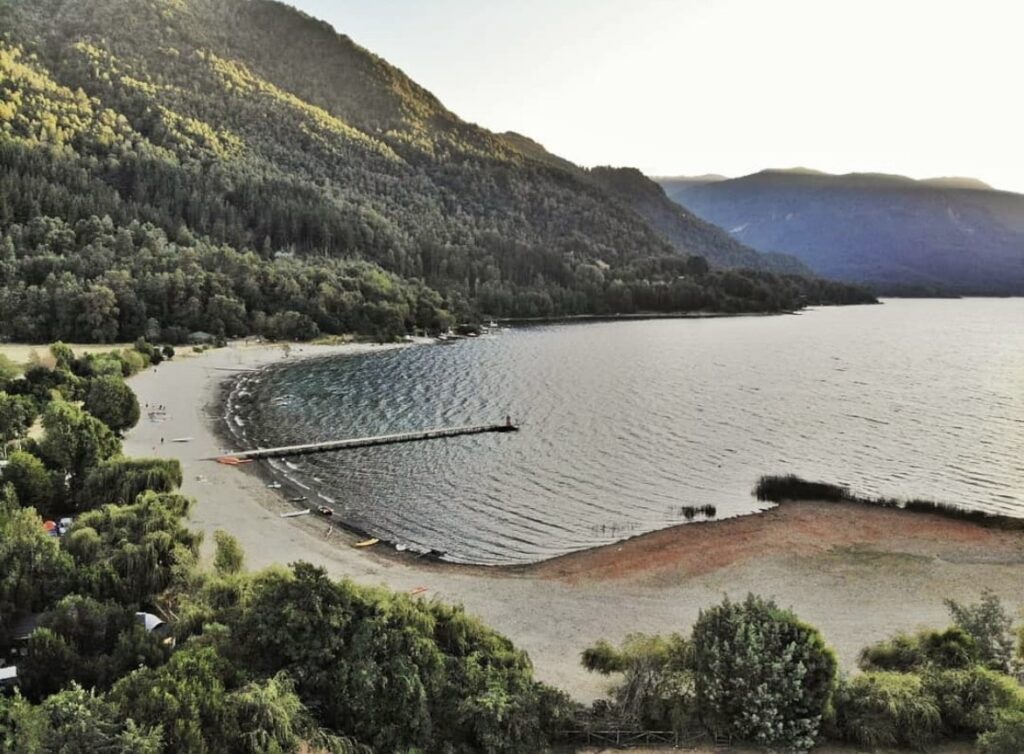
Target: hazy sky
{"type": "Point", "coordinates": [918, 87]}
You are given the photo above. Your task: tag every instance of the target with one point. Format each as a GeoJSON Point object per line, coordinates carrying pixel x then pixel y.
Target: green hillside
{"type": "Point", "coordinates": [237, 166]}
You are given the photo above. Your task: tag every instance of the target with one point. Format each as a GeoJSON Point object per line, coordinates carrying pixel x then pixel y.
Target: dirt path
{"type": "Point", "coordinates": [859, 574]}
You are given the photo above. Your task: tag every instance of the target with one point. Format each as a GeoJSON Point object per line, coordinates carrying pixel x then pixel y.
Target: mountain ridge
{"type": "Point", "coordinates": [899, 234]}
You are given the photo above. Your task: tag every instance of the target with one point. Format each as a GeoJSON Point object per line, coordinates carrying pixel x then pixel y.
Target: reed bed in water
{"type": "Point", "coordinates": [690, 512]}
{"type": "Point", "coordinates": [789, 487]}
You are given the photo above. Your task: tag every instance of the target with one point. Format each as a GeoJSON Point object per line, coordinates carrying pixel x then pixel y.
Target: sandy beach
{"type": "Point", "coordinates": [858, 574]}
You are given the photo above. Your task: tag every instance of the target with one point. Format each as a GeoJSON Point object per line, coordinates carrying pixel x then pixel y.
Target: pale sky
{"type": "Point", "coordinates": [681, 87]}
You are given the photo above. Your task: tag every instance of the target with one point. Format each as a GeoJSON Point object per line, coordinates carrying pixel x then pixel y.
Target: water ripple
{"type": "Point", "coordinates": [625, 422]}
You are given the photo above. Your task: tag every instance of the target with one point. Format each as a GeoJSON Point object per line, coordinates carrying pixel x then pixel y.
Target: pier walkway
{"type": "Point", "coordinates": [366, 442]}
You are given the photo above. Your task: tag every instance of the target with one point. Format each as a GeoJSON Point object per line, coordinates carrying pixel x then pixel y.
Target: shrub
{"type": "Point", "coordinates": [229, 557]}
{"type": "Point", "coordinates": [971, 700]}
{"type": "Point", "coordinates": [132, 362]}
{"type": "Point", "coordinates": [1007, 737]}
{"type": "Point", "coordinates": [31, 481]}
{"type": "Point", "coordinates": [887, 709]}
{"type": "Point", "coordinates": [111, 401]}
{"type": "Point", "coordinates": [656, 688]}
{"type": "Point", "coordinates": [122, 480]}
{"type": "Point", "coordinates": [17, 412]}
{"type": "Point", "coordinates": [603, 658]}
{"type": "Point", "coordinates": [791, 487]}
{"type": "Point", "coordinates": [901, 654]}
{"type": "Point", "coordinates": [8, 369]}
{"type": "Point", "coordinates": [990, 626]}
{"type": "Point", "coordinates": [760, 674]}
{"type": "Point", "coordinates": [952, 648]}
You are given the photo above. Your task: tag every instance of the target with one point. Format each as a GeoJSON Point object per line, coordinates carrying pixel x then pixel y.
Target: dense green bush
{"type": "Point", "coordinates": [41, 383]}
{"type": "Point", "coordinates": [656, 691]}
{"type": "Point", "coordinates": [1006, 737]}
{"type": "Point", "coordinates": [111, 401]}
{"type": "Point", "coordinates": [201, 703]}
{"type": "Point", "coordinates": [121, 480]}
{"type": "Point", "coordinates": [395, 673]}
{"type": "Point", "coordinates": [970, 700]}
{"type": "Point", "coordinates": [73, 721]}
{"type": "Point", "coordinates": [229, 556]}
{"type": "Point", "coordinates": [130, 553]}
{"type": "Point", "coordinates": [950, 648]}
{"type": "Point", "coordinates": [902, 654]}
{"type": "Point", "coordinates": [73, 444]}
{"type": "Point", "coordinates": [778, 489]}
{"type": "Point", "coordinates": [887, 709]}
{"type": "Point", "coordinates": [31, 481]}
{"type": "Point", "coordinates": [761, 675]}
{"type": "Point", "coordinates": [89, 642]}
{"type": "Point", "coordinates": [990, 626]}
{"type": "Point", "coordinates": [17, 412]}
{"type": "Point", "coordinates": [34, 571]}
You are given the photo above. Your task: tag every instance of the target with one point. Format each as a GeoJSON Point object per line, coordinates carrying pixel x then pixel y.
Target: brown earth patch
{"type": "Point", "coordinates": [795, 528]}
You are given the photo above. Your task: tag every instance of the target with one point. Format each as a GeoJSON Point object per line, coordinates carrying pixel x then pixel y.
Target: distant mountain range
{"type": "Point", "coordinates": [944, 235]}
{"type": "Point", "coordinates": [682, 228]}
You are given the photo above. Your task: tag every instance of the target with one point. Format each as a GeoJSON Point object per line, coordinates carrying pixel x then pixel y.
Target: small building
{"type": "Point", "coordinates": [21, 631]}
{"type": "Point", "coordinates": [156, 626]}
{"type": "Point", "coordinates": [8, 677]}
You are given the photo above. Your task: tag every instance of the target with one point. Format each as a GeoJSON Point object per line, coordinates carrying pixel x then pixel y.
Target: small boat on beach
{"type": "Point", "coordinates": [367, 542]}
{"type": "Point", "coordinates": [274, 486]}
{"type": "Point", "coordinates": [323, 510]}
{"type": "Point", "coordinates": [294, 514]}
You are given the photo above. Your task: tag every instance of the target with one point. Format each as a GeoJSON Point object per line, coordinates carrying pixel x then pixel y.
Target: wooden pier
{"type": "Point", "coordinates": [366, 442]}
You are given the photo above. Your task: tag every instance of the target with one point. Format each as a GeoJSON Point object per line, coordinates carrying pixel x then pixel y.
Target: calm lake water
{"type": "Point", "coordinates": [625, 423]}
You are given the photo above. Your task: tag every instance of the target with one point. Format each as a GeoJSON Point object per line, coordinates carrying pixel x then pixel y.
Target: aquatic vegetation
{"type": "Point", "coordinates": [690, 512]}
{"type": "Point", "coordinates": [789, 488]}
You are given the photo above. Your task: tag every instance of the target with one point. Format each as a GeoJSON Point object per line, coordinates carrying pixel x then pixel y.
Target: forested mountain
{"type": "Point", "coordinates": [951, 235]}
{"type": "Point", "coordinates": [237, 166]}
{"type": "Point", "coordinates": [682, 228]}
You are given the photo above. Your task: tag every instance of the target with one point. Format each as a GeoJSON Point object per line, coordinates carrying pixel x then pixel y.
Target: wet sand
{"type": "Point", "coordinates": [859, 574]}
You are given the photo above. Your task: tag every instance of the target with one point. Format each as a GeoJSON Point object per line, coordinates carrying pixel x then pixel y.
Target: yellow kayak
{"type": "Point", "coordinates": [367, 543]}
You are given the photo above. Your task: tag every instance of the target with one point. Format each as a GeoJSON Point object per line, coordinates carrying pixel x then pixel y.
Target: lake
{"type": "Point", "coordinates": [626, 423]}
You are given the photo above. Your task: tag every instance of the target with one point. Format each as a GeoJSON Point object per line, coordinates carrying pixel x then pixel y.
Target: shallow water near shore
{"type": "Point", "coordinates": [624, 424]}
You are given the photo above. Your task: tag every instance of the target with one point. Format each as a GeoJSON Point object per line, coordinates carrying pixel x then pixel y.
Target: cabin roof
{"type": "Point", "coordinates": [149, 621]}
